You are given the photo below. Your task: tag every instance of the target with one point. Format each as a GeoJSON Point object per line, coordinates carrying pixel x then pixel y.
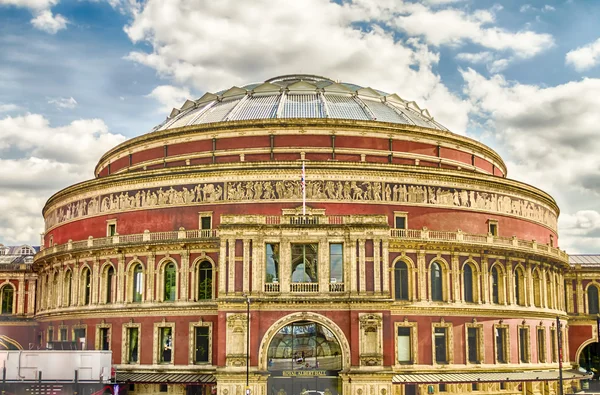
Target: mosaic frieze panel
{"type": "Point", "coordinates": [292, 190]}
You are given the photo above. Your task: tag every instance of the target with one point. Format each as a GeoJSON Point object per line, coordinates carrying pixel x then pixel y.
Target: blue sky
{"type": "Point", "coordinates": [522, 77]}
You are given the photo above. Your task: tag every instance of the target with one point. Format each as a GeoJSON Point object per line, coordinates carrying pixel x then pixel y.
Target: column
{"type": "Point", "coordinates": [95, 282]}
{"type": "Point", "coordinates": [185, 275]}
{"type": "Point", "coordinates": [231, 274]}
{"type": "Point", "coordinates": [528, 282]}
{"type": "Point", "coordinates": [21, 296]}
{"type": "Point", "coordinates": [484, 295]}
{"type": "Point", "coordinates": [222, 267]}
{"type": "Point", "coordinates": [579, 292]}
{"type": "Point", "coordinates": [376, 266]}
{"type": "Point", "coordinates": [351, 254]}
{"type": "Point", "coordinates": [544, 289]}
{"type": "Point", "coordinates": [422, 276]}
{"type": "Point", "coordinates": [258, 263]}
{"type": "Point", "coordinates": [121, 288]}
{"type": "Point", "coordinates": [456, 279]}
{"type": "Point", "coordinates": [246, 266]}
{"type": "Point", "coordinates": [509, 278]}
{"type": "Point", "coordinates": [361, 265]}
{"type": "Point", "coordinates": [385, 263]}
{"type": "Point", "coordinates": [285, 268]}
{"type": "Point", "coordinates": [151, 293]}
{"type": "Point", "coordinates": [323, 274]}
{"type": "Point", "coordinates": [31, 290]}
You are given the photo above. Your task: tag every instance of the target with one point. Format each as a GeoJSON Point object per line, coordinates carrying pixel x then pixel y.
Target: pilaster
{"type": "Point", "coordinates": [246, 265]}
{"type": "Point", "coordinates": [185, 275]}
{"type": "Point", "coordinates": [223, 267]}
{"type": "Point", "coordinates": [231, 274]}
{"type": "Point", "coordinates": [361, 266]}
{"type": "Point", "coordinates": [95, 281]}
{"type": "Point", "coordinates": [377, 266]}
{"type": "Point", "coordinates": [422, 276]}
{"type": "Point", "coordinates": [385, 263]}
{"type": "Point", "coordinates": [457, 295]}
{"type": "Point", "coordinates": [150, 276]}
{"type": "Point", "coordinates": [121, 278]}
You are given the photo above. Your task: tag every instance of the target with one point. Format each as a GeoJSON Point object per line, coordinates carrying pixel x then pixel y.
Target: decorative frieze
{"type": "Point", "coordinates": [320, 190]}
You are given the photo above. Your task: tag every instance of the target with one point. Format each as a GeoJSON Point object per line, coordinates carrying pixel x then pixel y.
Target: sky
{"type": "Point", "coordinates": [78, 77]}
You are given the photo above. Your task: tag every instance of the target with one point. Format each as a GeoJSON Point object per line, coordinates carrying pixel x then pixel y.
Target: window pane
{"type": "Point", "coordinates": [440, 345]}
{"type": "Point", "coordinates": [495, 293]}
{"type": "Point", "coordinates": [104, 339]}
{"type": "Point", "coordinates": [593, 300]}
{"type": "Point", "coordinates": [110, 278]}
{"type": "Point", "coordinates": [404, 343]}
{"type": "Point", "coordinates": [138, 283]}
{"type": "Point", "coordinates": [468, 283]}
{"type": "Point", "coordinates": [7, 299]}
{"type": "Point", "coordinates": [133, 344]}
{"type": "Point", "coordinates": [336, 263]}
{"type": "Point", "coordinates": [304, 263]}
{"type": "Point", "coordinates": [205, 281]}
{"type": "Point", "coordinates": [523, 344]}
{"type": "Point", "coordinates": [202, 344]}
{"type": "Point", "coordinates": [473, 345]}
{"type": "Point", "coordinates": [166, 342]}
{"type": "Point", "coordinates": [436, 282]}
{"type": "Point", "coordinates": [170, 282]}
{"type": "Point", "coordinates": [400, 281]}
{"type": "Point", "coordinates": [272, 269]}
{"type": "Point", "coordinates": [500, 341]}
{"type": "Point", "coordinates": [400, 223]}
{"type": "Point", "coordinates": [205, 223]}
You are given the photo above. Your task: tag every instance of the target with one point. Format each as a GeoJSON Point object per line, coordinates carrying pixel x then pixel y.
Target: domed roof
{"type": "Point", "coordinates": [299, 96]}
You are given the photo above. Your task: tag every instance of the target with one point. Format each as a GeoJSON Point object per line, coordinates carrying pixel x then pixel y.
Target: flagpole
{"type": "Point", "coordinates": [303, 190]}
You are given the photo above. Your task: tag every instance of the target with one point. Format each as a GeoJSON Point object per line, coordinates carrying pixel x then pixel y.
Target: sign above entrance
{"type": "Point", "coordinates": [304, 373]}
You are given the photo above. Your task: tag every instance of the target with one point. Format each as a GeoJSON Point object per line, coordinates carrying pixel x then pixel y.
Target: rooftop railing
{"type": "Point", "coordinates": [406, 234]}
{"type": "Point", "coordinates": [489, 239]}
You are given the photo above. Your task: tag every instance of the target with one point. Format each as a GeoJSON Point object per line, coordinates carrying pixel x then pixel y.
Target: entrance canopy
{"type": "Point", "coordinates": [483, 377]}
{"type": "Point", "coordinates": [163, 378]}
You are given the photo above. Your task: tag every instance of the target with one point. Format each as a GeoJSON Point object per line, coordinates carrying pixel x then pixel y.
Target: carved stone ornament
{"type": "Point", "coordinates": [316, 190]}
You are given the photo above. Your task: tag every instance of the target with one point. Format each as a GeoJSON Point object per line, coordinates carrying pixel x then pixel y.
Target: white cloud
{"type": "Point", "coordinates": [550, 135]}
{"type": "Point", "coordinates": [49, 22]}
{"type": "Point", "coordinates": [36, 162]}
{"type": "Point", "coordinates": [214, 45]}
{"type": "Point", "coordinates": [170, 96]}
{"type": "Point", "coordinates": [526, 8]}
{"type": "Point", "coordinates": [43, 19]}
{"type": "Point", "coordinates": [584, 58]}
{"type": "Point", "coordinates": [479, 57]}
{"type": "Point", "coordinates": [548, 8]}
{"type": "Point", "coordinates": [63, 102]}
{"type": "Point", "coordinates": [455, 27]}
{"type": "Point", "coordinates": [8, 107]}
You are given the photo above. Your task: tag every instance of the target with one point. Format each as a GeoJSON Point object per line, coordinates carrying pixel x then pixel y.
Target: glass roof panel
{"type": "Point", "coordinates": [218, 112]}
{"type": "Point", "coordinates": [185, 118]}
{"type": "Point", "coordinates": [258, 107]}
{"type": "Point", "coordinates": [416, 118]}
{"type": "Point", "coordinates": [302, 106]}
{"type": "Point", "coordinates": [345, 107]}
{"type": "Point", "coordinates": [383, 113]}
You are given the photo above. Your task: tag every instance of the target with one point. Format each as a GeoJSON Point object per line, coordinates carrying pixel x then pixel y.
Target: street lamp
{"type": "Point", "coordinates": [247, 344]}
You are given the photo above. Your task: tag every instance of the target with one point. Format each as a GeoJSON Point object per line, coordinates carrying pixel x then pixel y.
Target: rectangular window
{"type": "Point", "coordinates": [441, 345]}
{"type": "Point", "coordinates": [202, 344]}
{"type": "Point", "coordinates": [400, 222]}
{"type": "Point", "coordinates": [554, 346]}
{"type": "Point", "coordinates": [493, 227]}
{"type": "Point", "coordinates": [205, 222]}
{"type": "Point", "coordinates": [166, 345]}
{"type": "Point", "coordinates": [473, 351]}
{"type": "Point", "coordinates": [50, 334]}
{"type": "Point", "coordinates": [501, 345]}
{"type": "Point", "coordinates": [336, 263]}
{"type": "Point", "coordinates": [111, 227]}
{"type": "Point", "coordinates": [104, 338]}
{"type": "Point", "coordinates": [502, 385]}
{"type": "Point", "coordinates": [163, 388]}
{"type": "Point", "coordinates": [541, 345]}
{"type": "Point", "coordinates": [64, 335]}
{"type": "Point", "coordinates": [524, 345]}
{"type": "Point", "coordinates": [474, 386]}
{"type": "Point", "coordinates": [133, 343]}
{"type": "Point", "coordinates": [404, 344]}
{"type": "Point", "coordinates": [442, 387]}
{"type": "Point", "coordinates": [79, 337]}
{"type": "Point", "coordinates": [305, 263]}
{"type": "Point", "coordinates": [272, 270]}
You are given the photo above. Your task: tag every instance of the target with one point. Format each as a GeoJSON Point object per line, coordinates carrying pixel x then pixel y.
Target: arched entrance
{"type": "Point", "coordinates": [304, 356]}
{"type": "Point", "coordinates": [589, 358]}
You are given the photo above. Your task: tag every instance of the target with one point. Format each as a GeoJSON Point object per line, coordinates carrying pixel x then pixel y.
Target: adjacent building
{"type": "Point", "coordinates": [303, 235]}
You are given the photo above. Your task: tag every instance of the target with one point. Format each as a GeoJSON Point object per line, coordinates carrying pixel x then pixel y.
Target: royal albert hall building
{"type": "Point", "coordinates": [415, 266]}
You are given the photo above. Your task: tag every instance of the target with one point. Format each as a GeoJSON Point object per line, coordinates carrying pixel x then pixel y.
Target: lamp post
{"type": "Point", "coordinates": [247, 344]}
{"type": "Point", "coordinates": [560, 355]}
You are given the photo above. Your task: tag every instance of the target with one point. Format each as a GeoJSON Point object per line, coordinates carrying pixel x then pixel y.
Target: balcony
{"type": "Point", "coordinates": [304, 287]}
{"type": "Point", "coordinates": [146, 237]}
{"type": "Point", "coordinates": [479, 239]}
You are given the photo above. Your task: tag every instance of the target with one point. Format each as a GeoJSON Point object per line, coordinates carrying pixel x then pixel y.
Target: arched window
{"type": "Point", "coordinates": [468, 282]}
{"type": "Point", "coordinates": [205, 281]}
{"type": "Point", "coordinates": [401, 281]}
{"type": "Point", "coordinates": [170, 282]}
{"type": "Point", "coordinates": [519, 287]}
{"type": "Point", "coordinates": [110, 285]}
{"type": "Point", "coordinates": [592, 294]}
{"type": "Point", "coordinates": [495, 285]}
{"type": "Point", "coordinates": [67, 288]}
{"type": "Point", "coordinates": [7, 298]}
{"type": "Point", "coordinates": [537, 289]}
{"type": "Point", "coordinates": [86, 277]}
{"type": "Point", "coordinates": [437, 293]}
{"type": "Point", "coordinates": [138, 284]}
